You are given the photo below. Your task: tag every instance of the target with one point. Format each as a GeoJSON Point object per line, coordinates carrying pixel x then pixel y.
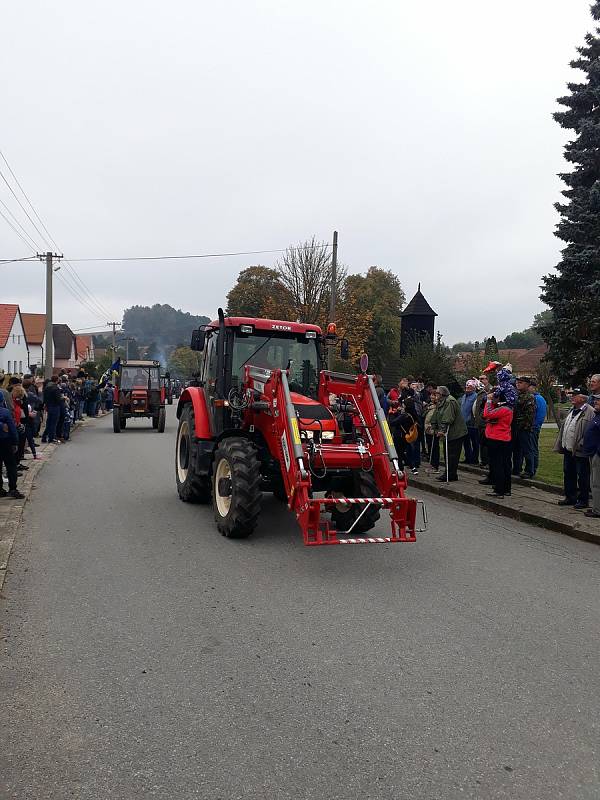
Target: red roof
{"type": "Point", "coordinates": [8, 312]}
{"type": "Point", "coordinates": [35, 327]}
{"type": "Point", "coordinates": [83, 344]}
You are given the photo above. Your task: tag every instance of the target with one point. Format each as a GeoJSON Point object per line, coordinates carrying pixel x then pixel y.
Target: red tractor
{"type": "Point", "coordinates": [267, 416]}
{"type": "Point", "coordinates": [140, 391]}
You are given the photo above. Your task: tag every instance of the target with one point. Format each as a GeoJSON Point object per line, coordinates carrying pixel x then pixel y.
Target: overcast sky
{"type": "Point", "coordinates": [421, 131]}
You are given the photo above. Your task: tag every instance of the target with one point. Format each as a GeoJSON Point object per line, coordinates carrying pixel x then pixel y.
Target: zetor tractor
{"type": "Point", "coordinates": [266, 416]}
{"type": "Point", "coordinates": [139, 392]}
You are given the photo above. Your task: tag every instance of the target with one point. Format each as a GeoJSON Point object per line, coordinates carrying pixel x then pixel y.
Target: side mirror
{"type": "Point", "coordinates": [197, 343]}
{"type": "Point", "coordinates": [345, 349]}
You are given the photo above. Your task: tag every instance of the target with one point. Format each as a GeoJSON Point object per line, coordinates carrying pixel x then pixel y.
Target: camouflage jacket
{"type": "Point", "coordinates": [524, 412]}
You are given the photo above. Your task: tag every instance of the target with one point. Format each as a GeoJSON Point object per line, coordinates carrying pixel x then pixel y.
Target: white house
{"type": "Point", "coordinates": [35, 333]}
{"type": "Point", "coordinates": [14, 352]}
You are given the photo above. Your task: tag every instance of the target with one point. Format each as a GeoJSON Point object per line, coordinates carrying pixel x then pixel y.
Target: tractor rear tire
{"type": "Point", "coordinates": [191, 487]}
{"type": "Point", "coordinates": [116, 420]}
{"type": "Point", "coordinates": [363, 485]}
{"type": "Point", "coordinates": [237, 493]}
{"type": "Point", "coordinates": [123, 423]}
{"type": "Point", "coordinates": [155, 422]}
{"type": "Point", "coordinates": [162, 419]}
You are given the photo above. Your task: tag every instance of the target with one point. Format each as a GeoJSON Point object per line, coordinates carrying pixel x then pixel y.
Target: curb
{"type": "Point", "coordinates": [11, 511]}
{"type": "Point", "coordinates": [504, 509]}
{"type": "Point", "coordinates": [541, 485]}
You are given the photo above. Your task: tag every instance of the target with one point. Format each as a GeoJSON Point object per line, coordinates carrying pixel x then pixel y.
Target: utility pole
{"type": "Point", "coordinates": [50, 269]}
{"type": "Point", "coordinates": [332, 297]}
{"type": "Point", "coordinates": [127, 339]}
{"type": "Point", "coordinates": [114, 325]}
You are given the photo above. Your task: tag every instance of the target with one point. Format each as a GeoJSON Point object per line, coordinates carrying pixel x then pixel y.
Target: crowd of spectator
{"type": "Point", "coordinates": [33, 410]}
{"type": "Point", "coordinates": [496, 424]}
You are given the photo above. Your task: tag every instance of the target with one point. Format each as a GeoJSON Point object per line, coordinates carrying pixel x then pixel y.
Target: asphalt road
{"type": "Point", "coordinates": [144, 655]}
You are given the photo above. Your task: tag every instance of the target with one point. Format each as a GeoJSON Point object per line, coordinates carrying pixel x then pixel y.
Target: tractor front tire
{"type": "Point", "coordinates": [162, 419]}
{"type": "Point", "coordinates": [363, 484]}
{"type": "Point", "coordinates": [116, 420]}
{"type": "Point", "coordinates": [155, 422]}
{"type": "Point", "coordinates": [191, 487]}
{"type": "Point", "coordinates": [237, 493]}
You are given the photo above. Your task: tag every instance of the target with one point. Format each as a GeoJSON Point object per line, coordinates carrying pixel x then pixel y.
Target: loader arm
{"type": "Point", "coordinates": [270, 410]}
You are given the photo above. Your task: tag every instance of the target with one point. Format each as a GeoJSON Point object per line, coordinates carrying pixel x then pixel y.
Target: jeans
{"type": "Point", "coordinates": [414, 453]}
{"type": "Point", "coordinates": [576, 474]}
{"type": "Point", "coordinates": [500, 465]}
{"type": "Point", "coordinates": [29, 434]}
{"type": "Point", "coordinates": [522, 451]}
{"type": "Point", "coordinates": [471, 443]}
{"type": "Point", "coordinates": [9, 459]}
{"type": "Point", "coordinates": [52, 417]}
{"type": "Point", "coordinates": [535, 445]}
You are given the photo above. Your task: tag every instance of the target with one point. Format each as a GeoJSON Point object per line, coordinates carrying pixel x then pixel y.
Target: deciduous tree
{"type": "Point", "coordinates": [259, 292]}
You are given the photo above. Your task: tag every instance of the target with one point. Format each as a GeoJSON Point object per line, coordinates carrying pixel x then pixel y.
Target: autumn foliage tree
{"type": "Point", "coordinates": [259, 292]}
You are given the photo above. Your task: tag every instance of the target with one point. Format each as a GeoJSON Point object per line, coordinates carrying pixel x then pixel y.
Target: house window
{"type": "Point", "coordinates": [20, 364]}
{"type": "Point", "coordinates": [8, 368]}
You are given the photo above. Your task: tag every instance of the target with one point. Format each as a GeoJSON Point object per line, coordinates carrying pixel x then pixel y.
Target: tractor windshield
{"type": "Point", "coordinates": [138, 377]}
{"type": "Point", "coordinates": [275, 351]}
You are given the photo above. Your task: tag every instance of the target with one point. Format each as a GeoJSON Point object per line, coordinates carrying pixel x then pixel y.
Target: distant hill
{"type": "Point", "coordinates": [163, 325]}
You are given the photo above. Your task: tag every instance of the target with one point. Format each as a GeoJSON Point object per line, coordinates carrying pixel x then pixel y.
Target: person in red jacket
{"type": "Point", "coordinates": [498, 417]}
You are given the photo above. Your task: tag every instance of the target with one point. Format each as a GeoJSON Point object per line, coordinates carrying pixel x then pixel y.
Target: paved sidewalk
{"type": "Point", "coordinates": [530, 501]}
{"type": "Point", "coordinates": [11, 511]}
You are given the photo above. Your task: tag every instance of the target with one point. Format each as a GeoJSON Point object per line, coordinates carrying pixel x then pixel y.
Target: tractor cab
{"type": "Point", "coordinates": [232, 345]}
{"type": "Point", "coordinates": [139, 392]}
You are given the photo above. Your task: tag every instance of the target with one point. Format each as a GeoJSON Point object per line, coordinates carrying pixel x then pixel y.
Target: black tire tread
{"type": "Point", "coordinates": [247, 492]}
{"type": "Point", "coordinates": [197, 488]}
{"type": "Point", "coordinates": [365, 485]}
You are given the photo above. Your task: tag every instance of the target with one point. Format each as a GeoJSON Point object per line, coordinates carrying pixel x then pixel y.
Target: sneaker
{"type": "Point", "coordinates": [591, 513]}
{"type": "Point", "coordinates": [21, 467]}
{"type": "Point", "coordinates": [580, 506]}
{"type": "Point", "coordinates": [565, 502]}
{"type": "Point", "coordinates": [415, 471]}
{"type": "Point", "coordinates": [527, 475]}
{"type": "Point", "coordinates": [495, 494]}
{"type": "Point", "coordinates": [433, 471]}
{"type": "Point", "coordinates": [16, 494]}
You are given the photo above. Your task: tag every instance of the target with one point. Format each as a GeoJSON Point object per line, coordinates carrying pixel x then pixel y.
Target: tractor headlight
{"type": "Point", "coordinates": [311, 334]}
{"type": "Point", "coordinates": [327, 435]}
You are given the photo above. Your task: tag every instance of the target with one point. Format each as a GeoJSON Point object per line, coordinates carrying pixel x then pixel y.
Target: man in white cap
{"type": "Point", "coordinates": [576, 464]}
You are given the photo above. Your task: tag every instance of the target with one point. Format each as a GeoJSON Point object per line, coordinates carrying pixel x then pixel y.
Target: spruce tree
{"type": "Point", "coordinates": [573, 293]}
{"type": "Point", "coordinates": [491, 347]}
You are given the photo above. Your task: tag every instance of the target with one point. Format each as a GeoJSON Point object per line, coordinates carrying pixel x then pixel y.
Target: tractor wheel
{"type": "Point", "coordinates": [155, 422]}
{"type": "Point", "coordinates": [192, 488]}
{"type": "Point", "coordinates": [237, 491]}
{"type": "Point", "coordinates": [363, 485]}
{"type": "Point", "coordinates": [123, 423]}
{"type": "Point", "coordinates": [162, 419]}
{"type": "Point", "coordinates": [116, 420]}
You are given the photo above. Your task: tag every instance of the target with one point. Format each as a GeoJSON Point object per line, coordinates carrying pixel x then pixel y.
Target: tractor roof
{"type": "Point", "coordinates": [140, 363]}
{"type": "Point", "coordinates": [268, 324]}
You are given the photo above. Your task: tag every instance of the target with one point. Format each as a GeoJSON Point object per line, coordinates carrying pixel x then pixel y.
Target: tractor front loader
{"type": "Point", "coordinates": [268, 417]}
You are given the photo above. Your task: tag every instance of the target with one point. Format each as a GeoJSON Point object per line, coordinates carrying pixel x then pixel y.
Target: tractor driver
{"type": "Point", "coordinates": [140, 378]}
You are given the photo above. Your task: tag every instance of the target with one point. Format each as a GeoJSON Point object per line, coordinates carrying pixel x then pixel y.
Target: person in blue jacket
{"type": "Point", "coordinates": [541, 409]}
{"type": "Point", "coordinates": [591, 447]}
{"type": "Point", "coordinates": [9, 441]}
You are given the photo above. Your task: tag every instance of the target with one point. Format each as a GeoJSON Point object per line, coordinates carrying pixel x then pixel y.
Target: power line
{"type": "Point", "coordinates": [12, 191]}
{"type": "Point", "coordinates": [84, 290]}
{"type": "Point", "coordinates": [205, 255]}
{"type": "Point", "coordinates": [90, 309]}
{"type": "Point", "coordinates": [34, 244]}
{"type": "Point", "coordinates": [21, 237]}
